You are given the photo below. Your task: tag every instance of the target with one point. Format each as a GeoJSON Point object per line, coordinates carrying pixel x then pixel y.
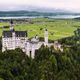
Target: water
{"type": "Point", "coordinates": [55, 17]}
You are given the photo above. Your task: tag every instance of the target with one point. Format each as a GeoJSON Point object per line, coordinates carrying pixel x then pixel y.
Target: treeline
{"type": "Point", "coordinates": [48, 64]}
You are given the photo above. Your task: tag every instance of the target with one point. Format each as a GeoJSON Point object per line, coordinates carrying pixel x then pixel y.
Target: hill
{"type": "Point", "coordinates": [34, 13]}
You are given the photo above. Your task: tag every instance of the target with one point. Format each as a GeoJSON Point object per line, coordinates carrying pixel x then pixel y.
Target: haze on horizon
{"type": "Point", "coordinates": [11, 5]}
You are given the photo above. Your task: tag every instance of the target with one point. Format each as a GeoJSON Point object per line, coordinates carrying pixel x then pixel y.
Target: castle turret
{"type": "Point", "coordinates": [46, 37]}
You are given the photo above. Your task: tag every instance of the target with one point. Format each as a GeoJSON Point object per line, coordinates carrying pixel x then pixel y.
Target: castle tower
{"type": "Point", "coordinates": [13, 39]}
{"type": "Point", "coordinates": [46, 37]}
{"type": "Point", "coordinates": [11, 26]}
{"type": "Point", "coordinates": [33, 51]}
{"type": "Point", "coordinates": [27, 46]}
{"type": "Point", "coordinates": [3, 45]}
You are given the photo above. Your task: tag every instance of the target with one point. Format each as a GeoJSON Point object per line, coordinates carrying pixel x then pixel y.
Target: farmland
{"type": "Point", "coordinates": [57, 28]}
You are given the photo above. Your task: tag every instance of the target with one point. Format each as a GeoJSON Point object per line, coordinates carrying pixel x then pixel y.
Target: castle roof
{"type": "Point", "coordinates": [8, 34]}
{"type": "Point", "coordinates": [34, 40]}
{"type": "Point", "coordinates": [21, 33]}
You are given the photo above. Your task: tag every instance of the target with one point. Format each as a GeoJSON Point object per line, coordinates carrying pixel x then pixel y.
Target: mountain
{"type": "Point", "coordinates": [24, 13]}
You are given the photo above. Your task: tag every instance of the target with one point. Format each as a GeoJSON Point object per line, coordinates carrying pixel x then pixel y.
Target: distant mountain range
{"type": "Point", "coordinates": [36, 13]}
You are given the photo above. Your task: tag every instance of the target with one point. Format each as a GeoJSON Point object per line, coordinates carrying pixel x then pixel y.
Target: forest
{"type": "Point", "coordinates": [48, 64]}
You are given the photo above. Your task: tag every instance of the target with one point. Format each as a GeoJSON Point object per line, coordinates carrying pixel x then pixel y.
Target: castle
{"type": "Point", "coordinates": [12, 39]}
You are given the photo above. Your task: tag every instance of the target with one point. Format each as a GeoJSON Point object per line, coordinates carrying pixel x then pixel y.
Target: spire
{"type": "Point", "coordinates": [46, 30]}
{"type": "Point", "coordinates": [11, 22]}
{"type": "Point", "coordinates": [11, 25]}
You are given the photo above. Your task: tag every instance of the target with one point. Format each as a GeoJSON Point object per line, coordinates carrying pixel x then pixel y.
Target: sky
{"type": "Point", "coordinates": [71, 5]}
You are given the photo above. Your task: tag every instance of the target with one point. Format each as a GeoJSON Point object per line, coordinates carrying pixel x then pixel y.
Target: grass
{"type": "Point", "coordinates": [57, 28]}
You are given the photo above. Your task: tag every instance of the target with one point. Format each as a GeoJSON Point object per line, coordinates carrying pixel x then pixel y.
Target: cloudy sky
{"type": "Point", "coordinates": [72, 5]}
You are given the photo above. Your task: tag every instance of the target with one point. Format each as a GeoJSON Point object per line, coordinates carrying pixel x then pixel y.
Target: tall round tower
{"type": "Point", "coordinates": [46, 37]}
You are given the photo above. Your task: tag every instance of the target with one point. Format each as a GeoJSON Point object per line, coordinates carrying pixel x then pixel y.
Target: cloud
{"type": "Point", "coordinates": [73, 5]}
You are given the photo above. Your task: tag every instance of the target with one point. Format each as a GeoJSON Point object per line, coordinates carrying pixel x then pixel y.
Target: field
{"type": "Point", "coordinates": [57, 28]}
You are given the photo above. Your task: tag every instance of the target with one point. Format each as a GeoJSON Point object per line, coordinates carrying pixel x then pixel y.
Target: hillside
{"type": "Point", "coordinates": [34, 13]}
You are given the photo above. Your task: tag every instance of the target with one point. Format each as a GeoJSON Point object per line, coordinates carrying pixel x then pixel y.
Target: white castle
{"type": "Point", "coordinates": [12, 39]}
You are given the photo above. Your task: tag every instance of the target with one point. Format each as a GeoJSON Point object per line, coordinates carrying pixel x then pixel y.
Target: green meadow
{"type": "Point", "coordinates": [57, 28]}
